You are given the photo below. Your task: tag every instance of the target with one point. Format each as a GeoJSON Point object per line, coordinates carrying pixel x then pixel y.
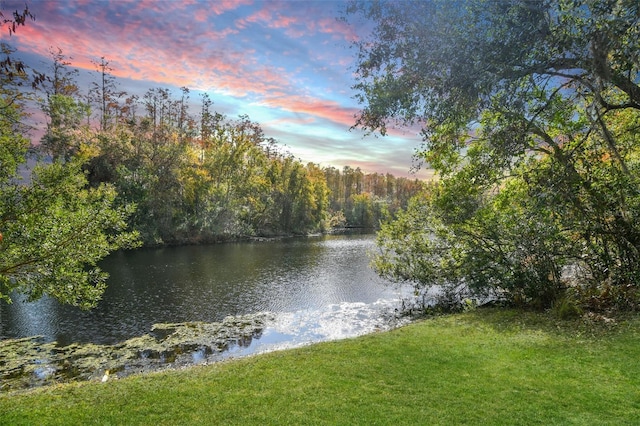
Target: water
{"type": "Point", "coordinates": [318, 288]}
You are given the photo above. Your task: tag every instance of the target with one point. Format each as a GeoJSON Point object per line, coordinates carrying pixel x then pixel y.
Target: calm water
{"type": "Point", "coordinates": [319, 288]}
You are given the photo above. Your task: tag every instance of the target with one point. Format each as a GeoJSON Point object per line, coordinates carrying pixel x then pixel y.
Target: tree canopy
{"type": "Point", "coordinates": [529, 112]}
{"type": "Point", "coordinates": [115, 170]}
{"type": "Point", "coordinates": [53, 228]}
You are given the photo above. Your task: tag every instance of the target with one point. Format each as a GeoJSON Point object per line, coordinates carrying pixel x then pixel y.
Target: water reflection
{"type": "Point", "coordinates": [32, 319]}
{"type": "Point", "coordinates": [306, 281]}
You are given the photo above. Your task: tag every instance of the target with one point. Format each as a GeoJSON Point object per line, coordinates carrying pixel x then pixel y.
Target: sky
{"type": "Point", "coordinates": [288, 65]}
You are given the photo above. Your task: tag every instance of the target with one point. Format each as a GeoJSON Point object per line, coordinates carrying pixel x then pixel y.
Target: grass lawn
{"type": "Point", "coordinates": [488, 366]}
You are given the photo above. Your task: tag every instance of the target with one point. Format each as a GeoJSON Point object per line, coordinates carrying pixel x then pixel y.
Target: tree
{"type": "Point", "coordinates": [65, 113]}
{"type": "Point", "coordinates": [65, 127]}
{"type": "Point", "coordinates": [10, 66]}
{"type": "Point", "coordinates": [53, 228]}
{"type": "Point", "coordinates": [61, 80]}
{"type": "Point", "coordinates": [13, 146]}
{"type": "Point", "coordinates": [54, 231]}
{"type": "Point", "coordinates": [237, 167]}
{"type": "Point", "coordinates": [144, 157]}
{"type": "Point", "coordinates": [19, 19]}
{"type": "Point", "coordinates": [319, 215]}
{"type": "Point", "coordinates": [533, 104]}
{"type": "Point", "coordinates": [105, 94]}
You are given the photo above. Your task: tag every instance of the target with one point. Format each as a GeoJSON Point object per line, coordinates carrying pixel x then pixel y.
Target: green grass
{"type": "Point", "coordinates": [482, 367]}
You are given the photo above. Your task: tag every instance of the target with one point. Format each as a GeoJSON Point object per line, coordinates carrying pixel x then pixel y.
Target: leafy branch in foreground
{"type": "Point", "coordinates": [54, 228]}
{"type": "Point", "coordinates": [54, 231]}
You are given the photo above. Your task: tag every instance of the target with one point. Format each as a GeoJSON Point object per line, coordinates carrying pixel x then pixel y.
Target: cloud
{"type": "Point", "coordinates": [285, 62]}
{"type": "Point", "coordinates": [296, 22]}
{"type": "Point", "coordinates": [147, 40]}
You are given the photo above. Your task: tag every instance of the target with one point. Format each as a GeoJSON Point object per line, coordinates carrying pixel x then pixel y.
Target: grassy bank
{"type": "Point", "coordinates": [482, 367]}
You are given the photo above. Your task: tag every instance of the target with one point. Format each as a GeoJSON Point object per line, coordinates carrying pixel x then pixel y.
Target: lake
{"type": "Point", "coordinates": [317, 288]}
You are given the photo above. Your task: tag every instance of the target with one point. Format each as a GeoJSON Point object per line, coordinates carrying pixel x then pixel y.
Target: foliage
{"type": "Point", "coordinates": [190, 189]}
{"type": "Point", "coordinates": [53, 229]}
{"type": "Point", "coordinates": [191, 179]}
{"type": "Point", "coordinates": [65, 131]}
{"type": "Point", "coordinates": [212, 178]}
{"type": "Point", "coordinates": [54, 232]}
{"type": "Point", "coordinates": [19, 19]}
{"type": "Point", "coordinates": [13, 146]}
{"type": "Point", "coordinates": [366, 199]}
{"type": "Point", "coordinates": [529, 113]}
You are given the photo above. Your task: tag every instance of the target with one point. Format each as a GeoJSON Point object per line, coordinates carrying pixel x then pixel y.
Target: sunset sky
{"type": "Point", "coordinates": [288, 65]}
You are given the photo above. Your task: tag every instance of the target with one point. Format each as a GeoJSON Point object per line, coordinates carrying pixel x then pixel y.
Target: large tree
{"type": "Point", "coordinates": [53, 228]}
{"type": "Point", "coordinates": [529, 112]}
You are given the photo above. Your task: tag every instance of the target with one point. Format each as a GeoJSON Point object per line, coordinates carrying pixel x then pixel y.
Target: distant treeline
{"type": "Point", "coordinates": [200, 177]}
{"type": "Point", "coordinates": [366, 198]}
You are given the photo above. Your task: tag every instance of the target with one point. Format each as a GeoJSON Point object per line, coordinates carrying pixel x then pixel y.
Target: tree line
{"type": "Point", "coordinates": [201, 177]}
{"type": "Point", "coordinates": [120, 170]}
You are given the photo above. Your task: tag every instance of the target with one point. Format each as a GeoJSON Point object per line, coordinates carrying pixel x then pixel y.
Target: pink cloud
{"type": "Point", "coordinates": [262, 15]}
{"type": "Point", "coordinates": [283, 22]}
{"type": "Point", "coordinates": [279, 56]}
{"type": "Point", "coordinates": [278, 15]}
{"type": "Point", "coordinates": [328, 110]}
{"type": "Point", "coordinates": [333, 26]}
{"type": "Point", "coordinates": [221, 6]}
{"type": "Point", "coordinates": [160, 50]}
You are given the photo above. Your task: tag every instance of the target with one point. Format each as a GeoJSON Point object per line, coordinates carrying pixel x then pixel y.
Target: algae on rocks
{"type": "Point", "coordinates": [30, 362]}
